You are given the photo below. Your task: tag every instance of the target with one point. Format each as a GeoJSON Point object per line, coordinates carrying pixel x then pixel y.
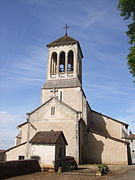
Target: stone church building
{"type": "Point", "coordinates": [92, 137]}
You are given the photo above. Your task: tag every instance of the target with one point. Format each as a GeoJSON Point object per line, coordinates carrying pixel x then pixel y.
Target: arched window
{"type": "Point", "coordinates": [53, 68]}
{"type": "Point", "coordinates": [70, 65]}
{"type": "Point", "coordinates": [62, 62]}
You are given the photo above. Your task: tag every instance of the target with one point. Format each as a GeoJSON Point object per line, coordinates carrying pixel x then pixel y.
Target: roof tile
{"type": "Point", "coordinates": [47, 137]}
{"type": "Point", "coordinates": [63, 41]}
{"type": "Point", "coordinates": [131, 136]}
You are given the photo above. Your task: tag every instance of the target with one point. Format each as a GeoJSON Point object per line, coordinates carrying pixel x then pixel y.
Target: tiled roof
{"type": "Point", "coordinates": [65, 40]}
{"type": "Point", "coordinates": [15, 146]}
{"type": "Point", "coordinates": [131, 136]}
{"type": "Point", "coordinates": [47, 137]}
{"type": "Point", "coordinates": [2, 151]}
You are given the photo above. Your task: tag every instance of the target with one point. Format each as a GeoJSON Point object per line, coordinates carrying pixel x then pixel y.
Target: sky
{"type": "Point", "coordinates": [27, 26]}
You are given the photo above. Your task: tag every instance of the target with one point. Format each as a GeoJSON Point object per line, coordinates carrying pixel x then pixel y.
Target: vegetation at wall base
{"type": "Point", "coordinates": [103, 168]}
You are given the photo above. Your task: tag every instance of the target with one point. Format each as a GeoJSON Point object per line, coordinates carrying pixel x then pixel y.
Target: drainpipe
{"type": "Point", "coordinates": [28, 137]}
{"type": "Point", "coordinates": [77, 137]}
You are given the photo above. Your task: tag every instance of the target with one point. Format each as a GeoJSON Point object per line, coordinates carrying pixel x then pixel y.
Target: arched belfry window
{"type": "Point", "coordinates": [70, 65]}
{"type": "Point", "coordinates": [62, 62]}
{"type": "Point", "coordinates": [53, 68]}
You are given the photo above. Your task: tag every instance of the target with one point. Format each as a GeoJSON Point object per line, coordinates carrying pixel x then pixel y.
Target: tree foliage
{"type": "Point", "coordinates": [127, 8]}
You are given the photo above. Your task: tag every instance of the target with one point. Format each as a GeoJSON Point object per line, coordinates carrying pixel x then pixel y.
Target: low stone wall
{"type": "Point", "coordinates": [2, 156]}
{"type": "Point", "coordinates": [15, 168]}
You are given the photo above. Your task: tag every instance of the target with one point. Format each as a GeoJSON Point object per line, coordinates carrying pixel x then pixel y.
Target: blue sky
{"type": "Point", "coordinates": [27, 26]}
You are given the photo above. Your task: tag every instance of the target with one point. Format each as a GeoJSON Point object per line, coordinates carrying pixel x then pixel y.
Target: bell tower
{"type": "Point", "coordinates": [64, 59]}
{"type": "Point", "coordinates": [64, 71]}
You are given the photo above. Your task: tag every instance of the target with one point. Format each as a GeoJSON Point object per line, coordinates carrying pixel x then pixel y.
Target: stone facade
{"type": "Point", "coordinates": [15, 152]}
{"type": "Point", "coordinates": [131, 139]}
{"type": "Point", "coordinates": [92, 137]}
{"type": "Point", "coordinates": [2, 155]}
{"type": "Point", "coordinates": [132, 148]}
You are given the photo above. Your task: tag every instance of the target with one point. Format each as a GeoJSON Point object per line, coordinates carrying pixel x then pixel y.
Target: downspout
{"type": "Point", "coordinates": [28, 137]}
{"type": "Point", "coordinates": [78, 116]}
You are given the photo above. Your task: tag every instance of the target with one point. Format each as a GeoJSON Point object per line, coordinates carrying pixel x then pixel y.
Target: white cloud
{"type": "Point", "coordinates": [130, 119]}
{"type": "Point", "coordinates": [106, 90]}
{"type": "Point", "coordinates": [26, 68]}
{"type": "Point", "coordinates": [113, 92]}
{"type": "Point", "coordinates": [131, 109]}
{"type": "Point", "coordinates": [29, 66]}
{"type": "Point", "coordinates": [89, 18]}
{"type": "Point", "coordinates": [129, 116]}
{"type": "Point", "coordinates": [8, 123]}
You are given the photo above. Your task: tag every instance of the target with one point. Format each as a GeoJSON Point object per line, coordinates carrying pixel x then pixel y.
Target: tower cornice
{"type": "Point", "coordinates": [65, 40]}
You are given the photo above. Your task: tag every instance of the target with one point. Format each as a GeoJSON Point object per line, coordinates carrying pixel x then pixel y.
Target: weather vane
{"type": "Point", "coordinates": [66, 27]}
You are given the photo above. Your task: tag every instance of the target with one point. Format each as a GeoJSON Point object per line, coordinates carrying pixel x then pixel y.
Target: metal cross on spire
{"type": "Point", "coordinates": [66, 27]}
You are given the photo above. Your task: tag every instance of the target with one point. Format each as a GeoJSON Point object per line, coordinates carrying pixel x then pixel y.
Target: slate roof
{"type": "Point", "coordinates": [65, 40]}
{"type": "Point", "coordinates": [47, 137]}
{"type": "Point", "coordinates": [62, 83]}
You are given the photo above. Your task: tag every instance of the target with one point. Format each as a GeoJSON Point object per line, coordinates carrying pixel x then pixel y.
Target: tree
{"type": "Point", "coordinates": [127, 8]}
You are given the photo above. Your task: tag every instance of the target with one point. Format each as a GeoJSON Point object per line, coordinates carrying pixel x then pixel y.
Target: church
{"type": "Point", "coordinates": [86, 135]}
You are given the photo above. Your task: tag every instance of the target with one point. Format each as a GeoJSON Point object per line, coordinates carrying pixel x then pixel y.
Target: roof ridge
{"type": "Point", "coordinates": [109, 137]}
{"type": "Point", "coordinates": [121, 122]}
{"type": "Point", "coordinates": [49, 101]}
{"type": "Point", "coordinates": [63, 40]}
{"type": "Point", "coordinates": [47, 137]}
{"type": "Point", "coordinates": [67, 105]}
{"type": "Point", "coordinates": [15, 146]}
{"type": "Point", "coordinates": [40, 106]}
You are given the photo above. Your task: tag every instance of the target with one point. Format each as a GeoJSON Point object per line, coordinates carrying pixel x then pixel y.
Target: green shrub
{"type": "Point", "coordinates": [103, 168]}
